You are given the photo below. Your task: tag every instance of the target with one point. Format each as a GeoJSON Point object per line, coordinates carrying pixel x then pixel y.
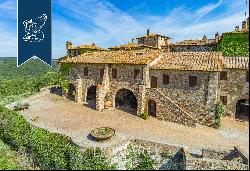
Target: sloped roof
{"type": "Point", "coordinates": [194, 42]}
{"type": "Point", "coordinates": [190, 61]}
{"type": "Point", "coordinates": [131, 46]}
{"type": "Point", "coordinates": [114, 57]}
{"type": "Point", "coordinates": [153, 35]}
{"type": "Point", "coordinates": [236, 62]}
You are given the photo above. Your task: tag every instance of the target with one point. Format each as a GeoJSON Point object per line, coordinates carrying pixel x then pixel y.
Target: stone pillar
{"type": "Point", "coordinates": [141, 99]}
{"type": "Point", "coordinates": [105, 81]}
{"type": "Point", "coordinates": [79, 91]}
{"type": "Point", "coordinates": [213, 88]}
{"type": "Point", "coordinates": [100, 97]}
{"type": "Point", "coordinates": [146, 77]}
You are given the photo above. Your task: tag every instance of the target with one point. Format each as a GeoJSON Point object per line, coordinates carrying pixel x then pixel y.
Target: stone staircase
{"type": "Point", "coordinates": [168, 110]}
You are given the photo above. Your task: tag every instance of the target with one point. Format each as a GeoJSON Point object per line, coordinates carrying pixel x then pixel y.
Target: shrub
{"type": "Point", "coordinates": [137, 160]}
{"type": "Point", "coordinates": [48, 150]}
{"type": "Point", "coordinates": [144, 115]}
{"type": "Point", "coordinates": [219, 111]}
{"type": "Point", "coordinates": [92, 159]}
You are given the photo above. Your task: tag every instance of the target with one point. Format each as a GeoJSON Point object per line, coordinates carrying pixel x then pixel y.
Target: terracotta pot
{"type": "Point", "coordinates": [107, 104]}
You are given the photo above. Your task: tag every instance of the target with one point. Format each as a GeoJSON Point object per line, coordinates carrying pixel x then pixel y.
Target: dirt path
{"type": "Point", "coordinates": [75, 120]}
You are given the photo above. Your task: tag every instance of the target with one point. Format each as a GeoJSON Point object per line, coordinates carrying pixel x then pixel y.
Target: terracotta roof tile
{"type": "Point", "coordinates": [192, 61]}
{"type": "Point", "coordinates": [236, 62]}
{"type": "Point", "coordinates": [114, 57]}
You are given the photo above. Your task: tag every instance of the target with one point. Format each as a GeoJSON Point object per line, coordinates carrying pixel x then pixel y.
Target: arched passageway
{"type": "Point", "coordinates": [125, 100]}
{"type": "Point", "coordinates": [71, 92]}
{"type": "Point", "coordinates": [152, 108]}
{"type": "Point", "coordinates": [242, 110]}
{"type": "Point", "coordinates": [91, 97]}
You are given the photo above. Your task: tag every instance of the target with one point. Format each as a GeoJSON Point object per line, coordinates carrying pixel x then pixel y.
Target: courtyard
{"type": "Point", "coordinates": [76, 120]}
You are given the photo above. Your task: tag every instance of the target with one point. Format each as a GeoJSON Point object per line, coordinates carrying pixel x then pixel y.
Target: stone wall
{"type": "Point", "coordinates": [235, 88]}
{"type": "Point", "coordinates": [168, 110]}
{"type": "Point", "coordinates": [197, 101]}
{"type": "Point", "coordinates": [189, 48]}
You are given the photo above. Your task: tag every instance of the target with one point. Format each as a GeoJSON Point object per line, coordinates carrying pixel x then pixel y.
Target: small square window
{"type": "Point", "coordinates": [86, 71]}
{"type": "Point", "coordinates": [136, 73]}
{"type": "Point", "coordinates": [223, 100]}
{"type": "Point", "coordinates": [114, 73]}
{"type": "Point", "coordinates": [192, 81]}
{"type": "Point", "coordinates": [165, 79]}
{"type": "Point", "coordinates": [223, 75]}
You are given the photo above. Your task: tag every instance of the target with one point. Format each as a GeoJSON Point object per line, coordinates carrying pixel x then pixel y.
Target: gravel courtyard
{"type": "Point", "coordinates": [60, 115]}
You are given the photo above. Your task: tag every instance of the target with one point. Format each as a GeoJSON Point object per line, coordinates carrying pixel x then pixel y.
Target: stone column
{"type": "Point", "coordinates": [146, 77]}
{"type": "Point", "coordinates": [100, 97]}
{"type": "Point", "coordinates": [213, 91]}
{"type": "Point", "coordinates": [105, 81]}
{"type": "Point", "coordinates": [141, 100]}
{"type": "Point", "coordinates": [79, 91]}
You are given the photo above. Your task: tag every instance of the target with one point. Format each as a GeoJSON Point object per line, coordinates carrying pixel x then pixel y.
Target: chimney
{"type": "Point", "coordinates": [147, 32]}
{"type": "Point", "coordinates": [217, 37]}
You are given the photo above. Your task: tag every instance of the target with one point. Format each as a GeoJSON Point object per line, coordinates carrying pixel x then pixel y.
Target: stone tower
{"type": "Point", "coordinates": [69, 45]}
{"type": "Point", "coordinates": [217, 37]}
{"type": "Point", "coordinates": [204, 39]}
{"type": "Point", "coordinates": [244, 25]}
{"type": "Point", "coordinates": [237, 28]}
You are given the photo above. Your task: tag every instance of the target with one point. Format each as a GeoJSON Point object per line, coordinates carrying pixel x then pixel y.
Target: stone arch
{"type": "Point", "coordinates": [72, 91]}
{"type": "Point", "coordinates": [242, 109]}
{"type": "Point", "coordinates": [126, 100]}
{"type": "Point", "coordinates": [91, 96]}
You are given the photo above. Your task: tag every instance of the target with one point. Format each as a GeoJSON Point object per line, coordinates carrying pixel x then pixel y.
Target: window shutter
{"type": "Point", "coordinates": [165, 79]}
{"type": "Point", "coordinates": [101, 73]}
{"type": "Point", "coordinates": [86, 71]}
{"type": "Point", "coordinates": [114, 73]}
{"type": "Point", "coordinates": [192, 81]}
{"type": "Point", "coordinates": [223, 75]}
{"type": "Point", "coordinates": [136, 73]}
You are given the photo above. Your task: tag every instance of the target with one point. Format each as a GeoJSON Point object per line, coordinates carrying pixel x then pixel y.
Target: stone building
{"type": "Point", "coordinates": [154, 40]}
{"type": "Point", "coordinates": [180, 87]}
{"type": "Point", "coordinates": [200, 45]}
{"type": "Point", "coordinates": [75, 51]}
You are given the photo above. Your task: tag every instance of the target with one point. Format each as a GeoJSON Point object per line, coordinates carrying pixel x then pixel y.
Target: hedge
{"type": "Point", "coordinates": [48, 150]}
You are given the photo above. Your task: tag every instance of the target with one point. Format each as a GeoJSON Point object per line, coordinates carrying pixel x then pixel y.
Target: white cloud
{"type": "Point", "coordinates": [8, 9]}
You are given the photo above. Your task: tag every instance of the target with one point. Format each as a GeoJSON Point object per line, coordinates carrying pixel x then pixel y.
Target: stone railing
{"type": "Point", "coordinates": [168, 110]}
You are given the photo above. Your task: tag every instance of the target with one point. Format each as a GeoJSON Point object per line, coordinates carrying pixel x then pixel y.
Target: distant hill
{"type": "Point", "coordinates": [34, 67]}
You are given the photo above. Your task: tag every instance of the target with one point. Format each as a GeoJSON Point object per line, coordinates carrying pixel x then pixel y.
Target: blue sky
{"type": "Point", "coordinates": [108, 23]}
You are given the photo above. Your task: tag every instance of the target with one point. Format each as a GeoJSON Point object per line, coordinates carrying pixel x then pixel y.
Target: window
{"type": "Point", "coordinates": [223, 75]}
{"type": "Point", "coordinates": [247, 76]}
{"type": "Point", "coordinates": [136, 73]}
{"type": "Point", "coordinates": [114, 73]}
{"type": "Point", "coordinates": [192, 81]}
{"type": "Point", "coordinates": [101, 73]}
{"type": "Point", "coordinates": [223, 100]}
{"type": "Point", "coordinates": [86, 71]}
{"type": "Point", "coordinates": [165, 79]}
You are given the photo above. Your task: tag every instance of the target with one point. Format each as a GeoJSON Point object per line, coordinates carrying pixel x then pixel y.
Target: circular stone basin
{"type": "Point", "coordinates": [102, 133]}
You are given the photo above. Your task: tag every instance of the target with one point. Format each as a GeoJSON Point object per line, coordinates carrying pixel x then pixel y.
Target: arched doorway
{"type": "Point", "coordinates": [125, 100]}
{"type": "Point", "coordinates": [91, 97]}
{"type": "Point", "coordinates": [242, 110]}
{"type": "Point", "coordinates": [152, 108]}
{"type": "Point", "coordinates": [71, 92]}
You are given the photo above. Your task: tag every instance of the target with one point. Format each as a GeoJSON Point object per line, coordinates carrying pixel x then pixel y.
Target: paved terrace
{"type": "Point", "coordinates": [60, 115]}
